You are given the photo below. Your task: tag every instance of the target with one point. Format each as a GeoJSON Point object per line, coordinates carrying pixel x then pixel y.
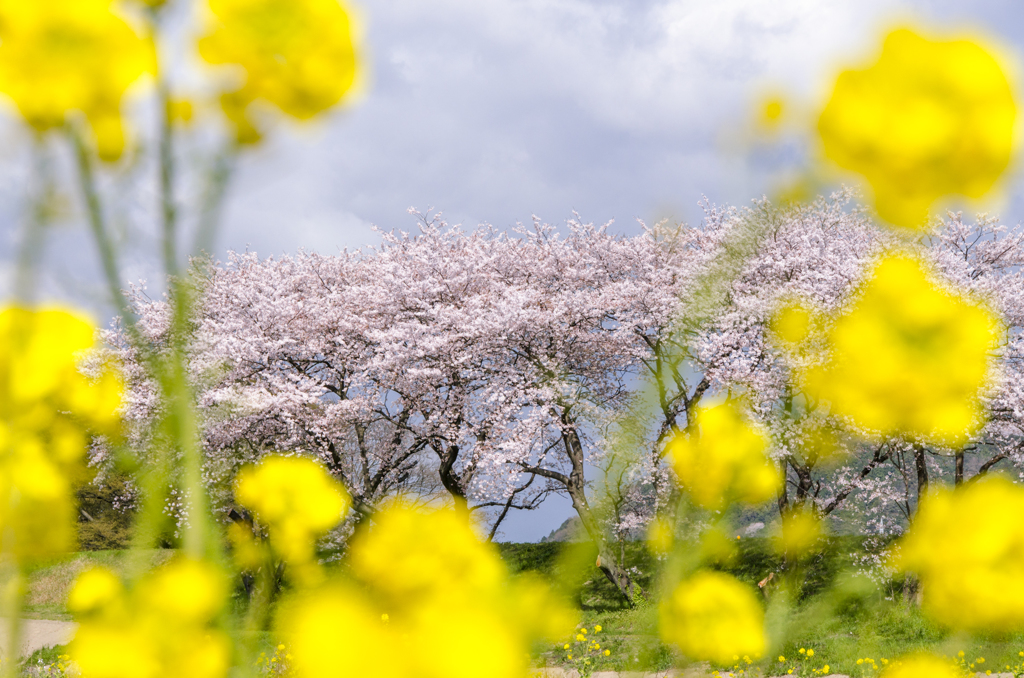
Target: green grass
{"type": "Point", "coordinates": [49, 583]}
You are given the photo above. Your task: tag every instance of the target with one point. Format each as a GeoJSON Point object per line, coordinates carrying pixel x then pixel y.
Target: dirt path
{"type": "Point", "coordinates": [37, 634]}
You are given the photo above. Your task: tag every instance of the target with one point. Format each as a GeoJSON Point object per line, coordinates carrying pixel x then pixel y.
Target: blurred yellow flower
{"type": "Point", "coordinates": [451, 604]}
{"type": "Point", "coordinates": [713, 617]}
{"type": "Point", "coordinates": [724, 461]}
{"type": "Point", "coordinates": [967, 548]}
{"type": "Point", "coordinates": [921, 666]}
{"type": "Point", "coordinates": [163, 628]}
{"type": "Point", "coordinates": [296, 499]}
{"type": "Point", "coordinates": [801, 530]}
{"type": "Point", "coordinates": [48, 409]}
{"type": "Point", "coordinates": [791, 323]}
{"type": "Point", "coordinates": [296, 54]}
{"type": "Point", "coordinates": [928, 119]}
{"type": "Point", "coordinates": [909, 358]}
{"type": "Point", "coordinates": [63, 56]}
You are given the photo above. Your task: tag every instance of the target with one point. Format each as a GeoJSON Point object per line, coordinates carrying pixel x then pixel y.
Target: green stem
{"type": "Point", "coordinates": [168, 210]}
{"type": "Point", "coordinates": [97, 223]}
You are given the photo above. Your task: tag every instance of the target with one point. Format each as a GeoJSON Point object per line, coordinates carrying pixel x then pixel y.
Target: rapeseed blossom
{"type": "Point", "coordinates": [725, 461]}
{"type": "Point", "coordinates": [48, 409]}
{"type": "Point", "coordinates": [164, 627]}
{"type": "Point", "coordinates": [71, 56]}
{"type": "Point", "coordinates": [921, 666]}
{"type": "Point", "coordinates": [928, 119]}
{"type": "Point", "coordinates": [967, 548]}
{"type": "Point", "coordinates": [296, 54]}
{"type": "Point", "coordinates": [713, 617]}
{"type": "Point", "coordinates": [296, 499]}
{"type": "Point", "coordinates": [450, 604]}
{"type": "Point", "coordinates": [909, 358]}
{"type": "Point", "coordinates": [801, 530]}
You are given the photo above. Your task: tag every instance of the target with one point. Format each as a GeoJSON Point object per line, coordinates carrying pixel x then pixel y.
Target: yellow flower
{"type": "Point", "coordinates": [928, 119]}
{"type": "Point", "coordinates": [781, 658]}
{"type": "Point", "coordinates": [713, 617]}
{"type": "Point", "coordinates": [296, 498]}
{"type": "Point", "coordinates": [909, 358]}
{"type": "Point", "coordinates": [725, 460]}
{"type": "Point", "coordinates": [48, 409]}
{"type": "Point", "coordinates": [62, 56]}
{"type": "Point", "coordinates": [803, 651]}
{"type": "Point", "coordinates": [607, 653]}
{"type": "Point", "coordinates": [580, 638]}
{"type": "Point", "coordinates": [659, 536]}
{"type": "Point", "coordinates": [451, 601]}
{"type": "Point", "coordinates": [597, 629]}
{"type": "Point", "coordinates": [801, 529]}
{"type": "Point", "coordinates": [967, 547]}
{"type": "Point", "coordinates": [921, 666]}
{"type": "Point", "coordinates": [296, 54]}
{"type": "Point", "coordinates": [163, 628]}
{"type": "Point", "coordinates": [810, 653]}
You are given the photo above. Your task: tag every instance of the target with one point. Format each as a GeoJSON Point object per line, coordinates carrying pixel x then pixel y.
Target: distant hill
{"type": "Point", "coordinates": [570, 530]}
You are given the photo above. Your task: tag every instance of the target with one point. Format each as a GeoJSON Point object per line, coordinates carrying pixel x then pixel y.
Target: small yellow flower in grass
{"type": "Point", "coordinates": [810, 653]}
{"type": "Point", "coordinates": [296, 54]}
{"type": "Point", "coordinates": [296, 498]}
{"type": "Point", "coordinates": [64, 56]}
{"type": "Point", "coordinates": [607, 653]}
{"type": "Point", "coordinates": [803, 651]}
{"type": "Point", "coordinates": [725, 460]}
{"type": "Point", "coordinates": [928, 119]}
{"type": "Point", "coordinates": [713, 617]}
{"type": "Point", "coordinates": [909, 358]}
{"type": "Point", "coordinates": [597, 629]}
{"type": "Point", "coordinates": [566, 646]}
{"type": "Point", "coordinates": [825, 668]}
{"type": "Point", "coordinates": [782, 658]}
{"type": "Point", "coordinates": [860, 661]}
{"type": "Point", "coordinates": [921, 666]}
{"type": "Point", "coordinates": [967, 548]}
{"type": "Point", "coordinates": [580, 638]}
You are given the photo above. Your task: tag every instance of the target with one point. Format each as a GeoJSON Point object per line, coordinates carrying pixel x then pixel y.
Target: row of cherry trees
{"type": "Point", "coordinates": [496, 368]}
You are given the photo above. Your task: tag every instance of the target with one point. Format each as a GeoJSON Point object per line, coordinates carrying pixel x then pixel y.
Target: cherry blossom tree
{"type": "Point", "coordinates": [494, 368]}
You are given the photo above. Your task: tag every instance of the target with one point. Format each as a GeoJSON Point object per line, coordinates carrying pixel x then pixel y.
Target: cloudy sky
{"type": "Point", "coordinates": [497, 110]}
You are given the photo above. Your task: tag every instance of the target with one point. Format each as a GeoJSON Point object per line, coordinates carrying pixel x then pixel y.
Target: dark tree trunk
{"type": "Point", "coordinates": [920, 463]}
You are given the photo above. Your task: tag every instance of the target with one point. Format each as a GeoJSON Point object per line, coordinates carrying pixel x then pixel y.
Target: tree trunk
{"type": "Point", "coordinates": [920, 463]}
{"type": "Point", "coordinates": [576, 487]}
{"type": "Point", "coordinates": [958, 476]}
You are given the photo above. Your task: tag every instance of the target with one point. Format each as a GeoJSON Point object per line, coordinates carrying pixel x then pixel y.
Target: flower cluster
{"type": "Point", "coordinates": [71, 56]}
{"type": "Point", "coordinates": [909, 358]}
{"type": "Point", "coordinates": [583, 652]}
{"type": "Point", "coordinates": [930, 118]}
{"type": "Point", "coordinates": [296, 54]}
{"type": "Point", "coordinates": [967, 548]}
{"type": "Point", "coordinates": [713, 617]}
{"type": "Point", "coordinates": [424, 582]}
{"type": "Point", "coordinates": [164, 626]}
{"type": "Point", "coordinates": [48, 408]}
{"type": "Point", "coordinates": [275, 665]}
{"type": "Point", "coordinates": [296, 499]}
{"type": "Point", "coordinates": [726, 460]}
